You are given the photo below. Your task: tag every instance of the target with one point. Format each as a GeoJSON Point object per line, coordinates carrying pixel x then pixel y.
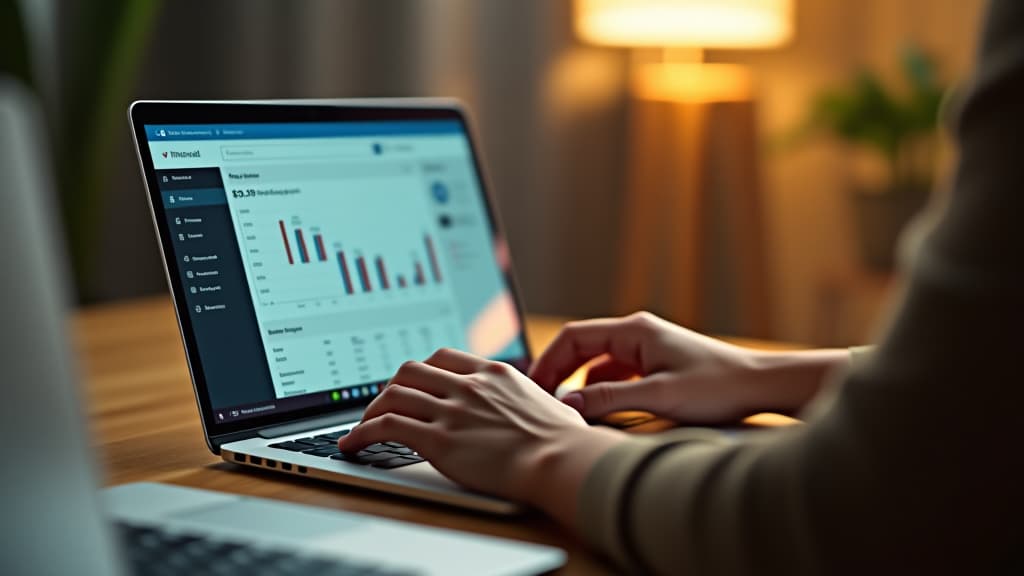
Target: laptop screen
{"type": "Point", "coordinates": [313, 258]}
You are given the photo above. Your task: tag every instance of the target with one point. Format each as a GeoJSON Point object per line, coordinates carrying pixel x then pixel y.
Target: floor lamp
{"type": "Point", "coordinates": [694, 235]}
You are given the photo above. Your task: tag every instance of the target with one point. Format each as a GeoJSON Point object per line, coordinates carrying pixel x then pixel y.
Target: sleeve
{"type": "Point", "coordinates": [859, 355]}
{"type": "Point", "coordinates": [913, 467]}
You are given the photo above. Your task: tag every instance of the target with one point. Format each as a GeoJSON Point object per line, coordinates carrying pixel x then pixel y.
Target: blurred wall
{"type": "Point", "coordinates": [822, 296]}
{"type": "Point", "coordinates": [552, 116]}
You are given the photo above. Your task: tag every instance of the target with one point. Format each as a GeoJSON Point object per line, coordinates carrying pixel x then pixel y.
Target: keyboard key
{"type": "Point", "coordinates": [369, 458]}
{"type": "Point", "coordinates": [401, 451]}
{"type": "Point", "coordinates": [397, 461]}
{"type": "Point", "coordinates": [375, 448]}
{"type": "Point", "coordinates": [293, 446]}
{"type": "Point", "coordinates": [347, 458]}
{"type": "Point", "coordinates": [176, 553]}
{"type": "Point", "coordinates": [314, 441]}
{"type": "Point", "coordinates": [183, 541]}
{"type": "Point", "coordinates": [394, 444]}
{"type": "Point", "coordinates": [323, 451]}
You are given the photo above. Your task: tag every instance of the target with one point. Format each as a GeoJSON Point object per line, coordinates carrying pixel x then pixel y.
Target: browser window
{"type": "Point", "coordinates": [317, 257]}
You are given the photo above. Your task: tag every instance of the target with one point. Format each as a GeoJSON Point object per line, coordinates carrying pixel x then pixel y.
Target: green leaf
{"type": "Point", "coordinates": [109, 43]}
{"type": "Point", "coordinates": [14, 57]}
{"type": "Point", "coordinates": [867, 113]}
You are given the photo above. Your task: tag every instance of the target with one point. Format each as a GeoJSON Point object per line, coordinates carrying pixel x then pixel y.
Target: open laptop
{"type": "Point", "coordinates": [54, 521]}
{"type": "Point", "coordinates": [313, 246]}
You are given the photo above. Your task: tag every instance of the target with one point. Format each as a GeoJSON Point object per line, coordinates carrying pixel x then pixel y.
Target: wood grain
{"type": "Point", "coordinates": [145, 426]}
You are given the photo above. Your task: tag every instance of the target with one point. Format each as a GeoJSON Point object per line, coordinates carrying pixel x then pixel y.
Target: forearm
{"type": "Point", "coordinates": [785, 382]}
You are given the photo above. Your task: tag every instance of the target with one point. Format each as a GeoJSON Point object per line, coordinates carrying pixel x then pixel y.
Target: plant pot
{"type": "Point", "coordinates": [880, 217]}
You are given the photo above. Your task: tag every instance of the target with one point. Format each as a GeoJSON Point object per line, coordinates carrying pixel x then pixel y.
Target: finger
{"type": "Point", "coordinates": [456, 361]}
{"type": "Point", "coordinates": [605, 397]}
{"type": "Point", "coordinates": [424, 377]}
{"type": "Point", "coordinates": [405, 401]}
{"type": "Point", "coordinates": [609, 370]}
{"type": "Point", "coordinates": [390, 427]}
{"type": "Point", "coordinates": [578, 342]}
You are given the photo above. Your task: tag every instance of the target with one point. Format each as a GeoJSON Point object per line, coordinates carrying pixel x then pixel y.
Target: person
{"type": "Point", "coordinates": [908, 461]}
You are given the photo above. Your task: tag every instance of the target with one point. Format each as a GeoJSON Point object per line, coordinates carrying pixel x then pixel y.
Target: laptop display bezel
{"type": "Point", "coordinates": [165, 113]}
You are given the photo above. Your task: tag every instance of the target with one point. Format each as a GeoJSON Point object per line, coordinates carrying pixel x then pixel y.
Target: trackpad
{"type": "Point", "coordinates": [271, 519]}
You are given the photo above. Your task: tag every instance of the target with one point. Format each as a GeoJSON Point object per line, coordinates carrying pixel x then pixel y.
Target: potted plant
{"type": "Point", "coordinates": [105, 45]}
{"type": "Point", "coordinates": [897, 128]}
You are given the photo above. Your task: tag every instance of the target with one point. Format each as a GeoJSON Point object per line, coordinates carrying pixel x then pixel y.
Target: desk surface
{"type": "Point", "coordinates": [145, 423]}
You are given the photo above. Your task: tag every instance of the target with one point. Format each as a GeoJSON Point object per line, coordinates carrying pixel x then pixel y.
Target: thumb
{"type": "Point", "coordinates": [599, 399]}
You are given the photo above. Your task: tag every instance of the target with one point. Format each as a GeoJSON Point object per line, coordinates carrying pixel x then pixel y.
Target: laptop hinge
{"type": "Point", "coordinates": [312, 423]}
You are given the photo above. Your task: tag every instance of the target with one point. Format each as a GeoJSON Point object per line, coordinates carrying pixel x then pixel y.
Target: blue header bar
{"type": "Point", "coordinates": [176, 132]}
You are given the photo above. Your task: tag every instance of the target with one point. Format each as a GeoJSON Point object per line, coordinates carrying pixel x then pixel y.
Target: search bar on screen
{"type": "Point", "coordinates": [296, 152]}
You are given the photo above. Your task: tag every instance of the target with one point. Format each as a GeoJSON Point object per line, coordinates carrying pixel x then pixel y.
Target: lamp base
{"type": "Point", "coordinates": [695, 246]}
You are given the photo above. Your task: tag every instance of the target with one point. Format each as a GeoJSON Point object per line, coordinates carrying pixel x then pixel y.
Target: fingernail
{"type": "Point", "coordinates": [573, 400]}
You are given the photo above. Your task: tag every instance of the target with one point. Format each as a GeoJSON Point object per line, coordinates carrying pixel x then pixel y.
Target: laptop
{"type": "Point", "coordinates": [55, 522]}
{"type": "Point", "coordinates": [313, 246]}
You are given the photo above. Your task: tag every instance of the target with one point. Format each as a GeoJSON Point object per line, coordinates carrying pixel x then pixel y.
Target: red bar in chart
{"type": "Point", "coordinates": [287, 246]}
{"type": "Point", "coordinates": [301, 241]}
{"type": "Point", "coordinates": [321, 253]}
{"type": "Point", "coordinates": [418, 278]}
{"type": "Point", "coordinates": [364, 276]}
{"type": "Point", "coordinates": [345, 276]}
{"type": "Point", "coordinates": [435, 268]}
{"type": "Point", "coordinates": [382, 273]}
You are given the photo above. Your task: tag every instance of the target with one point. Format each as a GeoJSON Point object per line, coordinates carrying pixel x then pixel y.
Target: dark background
{"type": "Point", "coordinates": [548, 169]}
{"type": "Point", "coordinates": [553, 114]}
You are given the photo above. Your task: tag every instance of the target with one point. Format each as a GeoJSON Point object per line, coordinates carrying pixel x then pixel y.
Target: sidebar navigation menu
{"type": "Point", "coordinates": [216, 293]}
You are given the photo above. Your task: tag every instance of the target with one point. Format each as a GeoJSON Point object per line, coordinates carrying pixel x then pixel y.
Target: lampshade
{"type": "Point", "coordinates": [698, 23]}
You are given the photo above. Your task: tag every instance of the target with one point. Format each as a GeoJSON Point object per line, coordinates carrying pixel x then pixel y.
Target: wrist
{"type": "Point", "coordinates": [785, 382]}
{"type": "Point", "coordinates": [555, 471]}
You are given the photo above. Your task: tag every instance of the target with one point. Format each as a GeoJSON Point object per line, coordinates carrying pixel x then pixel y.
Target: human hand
{"type": "Point", "coordinates": [659, 367]}
{"type": "Point", "coordinates": [487, 426]}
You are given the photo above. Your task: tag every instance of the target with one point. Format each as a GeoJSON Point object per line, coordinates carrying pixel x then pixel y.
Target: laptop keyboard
{"type": "Point", "coordinates": [154, 551]}
{"type": "Point", "coordinates": [383, 455]}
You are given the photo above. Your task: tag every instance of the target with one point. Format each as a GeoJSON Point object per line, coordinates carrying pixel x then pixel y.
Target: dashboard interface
{"type": "Point", "coordinates": [316, 257]}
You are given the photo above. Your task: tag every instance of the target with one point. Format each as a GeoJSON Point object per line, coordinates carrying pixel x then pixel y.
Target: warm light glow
{"type": "Point", "coordinates": [703, 23]}
{"type": "Point", "coordinates": [693, 82]}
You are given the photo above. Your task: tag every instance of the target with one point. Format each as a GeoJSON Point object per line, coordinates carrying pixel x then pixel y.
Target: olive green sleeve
{"type": "Point", "coordinates": [859, 355]}
{"type": "Point", "coordinates": [913, 467]}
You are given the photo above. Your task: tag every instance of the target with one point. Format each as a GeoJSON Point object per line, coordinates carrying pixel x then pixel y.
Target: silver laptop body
{"type": "Point", "coordinates": [313, 246]}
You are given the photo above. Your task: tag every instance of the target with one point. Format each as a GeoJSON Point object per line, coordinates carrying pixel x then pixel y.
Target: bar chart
{"type": "Point", "coordinates": [377, 278]}
{"type": "Point", "coordinates": [349, 275]}
{"type": "Point", "coordinates": [307, 257]}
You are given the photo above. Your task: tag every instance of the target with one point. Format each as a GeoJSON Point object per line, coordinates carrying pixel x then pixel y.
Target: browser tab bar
{"type": "Point", "coordinates": [169, 132]}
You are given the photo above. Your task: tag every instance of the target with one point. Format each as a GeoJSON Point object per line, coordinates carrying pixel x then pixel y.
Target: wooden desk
{"type": "Point", "coordinates": [145, 423]}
